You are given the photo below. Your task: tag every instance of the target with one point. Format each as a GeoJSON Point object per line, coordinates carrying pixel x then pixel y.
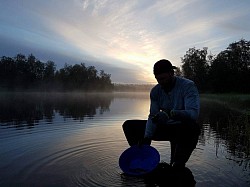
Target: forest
{"type": "Point", "coordinates": [226, 72]}
{"type": "Point", "coordinates": [21, 73]}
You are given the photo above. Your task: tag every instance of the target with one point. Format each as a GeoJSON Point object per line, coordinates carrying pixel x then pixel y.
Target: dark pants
{"type": "Point", "coordinates": [183, 137]}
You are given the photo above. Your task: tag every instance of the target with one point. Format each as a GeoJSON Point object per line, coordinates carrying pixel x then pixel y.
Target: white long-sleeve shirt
{"type": "Point", "coordinates": [183, 99]}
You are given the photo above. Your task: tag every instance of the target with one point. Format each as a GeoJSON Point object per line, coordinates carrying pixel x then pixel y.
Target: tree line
{"type": "Point", "coordinates": [229, 71]}
{"type": "Point", "coordinates": [29, 73]}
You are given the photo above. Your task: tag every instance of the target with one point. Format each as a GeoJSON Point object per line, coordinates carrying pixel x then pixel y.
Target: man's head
{"type": "Point", "coordinates": [164, 73]}
{"type": "Point", "coordinates": [163, 66]}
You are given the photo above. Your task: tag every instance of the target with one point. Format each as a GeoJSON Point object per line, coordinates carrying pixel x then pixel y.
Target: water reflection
{"type": "Point", "coordinates": [67, 152]}
{"type": "Point", "coordinates": [231, 123]}
{"type": "Point", "coordinates": [26, 109]}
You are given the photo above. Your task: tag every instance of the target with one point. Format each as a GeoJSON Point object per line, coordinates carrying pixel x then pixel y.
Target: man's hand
{"type": "Point", "coordinates": [161, 117]}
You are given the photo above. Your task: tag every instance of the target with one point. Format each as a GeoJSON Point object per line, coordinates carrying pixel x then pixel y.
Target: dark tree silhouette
{"type": "Point", "coordinates": [195, 66]}
{"type": "Point", "coordinates": [230, 70]}
{"type": "Point", "coordinates": [21, 73]}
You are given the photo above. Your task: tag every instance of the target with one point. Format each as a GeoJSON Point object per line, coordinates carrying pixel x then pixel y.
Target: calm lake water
{"type": "Point", "coordinates": [76, 140]}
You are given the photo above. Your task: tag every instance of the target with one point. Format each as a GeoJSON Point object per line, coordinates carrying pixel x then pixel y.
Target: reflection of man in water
{"type": "Point", "coordinates": [174, 109]}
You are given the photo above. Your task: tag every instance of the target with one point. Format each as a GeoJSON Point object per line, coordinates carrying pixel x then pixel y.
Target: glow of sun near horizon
{"type": "Point", "coordinates": [123, 38]}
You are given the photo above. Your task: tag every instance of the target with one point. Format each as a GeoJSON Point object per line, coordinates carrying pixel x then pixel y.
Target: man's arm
{"type": "Point", "coordinates": [154, 109]}
{"type": "Point", "coordinates": [191, 104]}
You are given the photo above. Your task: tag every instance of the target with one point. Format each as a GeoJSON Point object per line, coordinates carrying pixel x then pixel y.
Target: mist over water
{"type": "Point", "coordinates": [67, 139]}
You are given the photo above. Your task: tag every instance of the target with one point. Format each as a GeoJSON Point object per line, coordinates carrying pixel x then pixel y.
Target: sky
{"type": "Point", "coordinates": [122, 37]}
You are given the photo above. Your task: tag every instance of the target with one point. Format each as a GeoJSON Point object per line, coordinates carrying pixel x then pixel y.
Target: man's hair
{"type": "Point", "coordinates": [163, 66]}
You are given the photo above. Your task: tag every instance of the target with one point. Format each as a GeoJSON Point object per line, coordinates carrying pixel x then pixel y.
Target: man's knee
{"type": "Point", "coordinates": [134, 130]}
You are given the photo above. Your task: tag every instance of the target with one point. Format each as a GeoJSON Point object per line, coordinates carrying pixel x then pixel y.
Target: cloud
{"type": "Point", "coordinates": [126, 35]}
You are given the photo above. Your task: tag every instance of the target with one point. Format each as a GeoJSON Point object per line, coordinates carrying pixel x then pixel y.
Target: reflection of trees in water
{"type": "Point", "coordinates": [229, 124]}
{"type": "Point", "coordinates": [26, 109]}
{"type": "Point", "coordinates": [17, 109]}
{"type": "Point", "coordinates": [79, 106]}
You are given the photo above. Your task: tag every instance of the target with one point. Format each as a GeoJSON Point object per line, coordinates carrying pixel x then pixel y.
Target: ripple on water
{"type": "Point", "coordinates": [84, 157]}
{"type": "Point", "coordinates": [100, 166]}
